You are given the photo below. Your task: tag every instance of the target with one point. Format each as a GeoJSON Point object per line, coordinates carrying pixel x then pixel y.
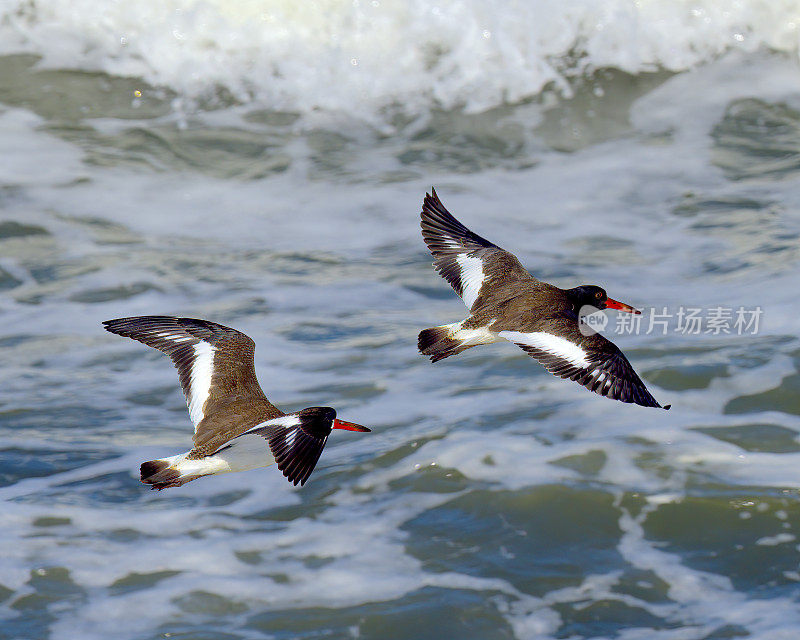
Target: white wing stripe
{"type": "Point", "coordinates": [282, 421]}
{"type": "Point", "coordinates": [550, 343]}
{"type": "Point", "coordinates": [200, 386]}
{"type": "Point", "coordinates": [471, 278]}
{"type": "Point", "coordinates": [174, 337]}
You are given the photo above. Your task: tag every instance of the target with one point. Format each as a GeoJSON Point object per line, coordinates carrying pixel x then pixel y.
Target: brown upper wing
{"type": "Point", "coordinates": [216, 371]}
{"type": "Point", "coordinates": [465, 259]}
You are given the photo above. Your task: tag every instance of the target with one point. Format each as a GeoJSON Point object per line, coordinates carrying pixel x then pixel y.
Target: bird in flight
{"type": "Point", "coordinates": [506, 302]}
{"type": "Point", "coordinates": [235, 427]}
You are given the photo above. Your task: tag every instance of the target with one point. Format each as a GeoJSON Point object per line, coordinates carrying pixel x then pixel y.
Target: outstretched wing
{"type": "Point", "coordinates": [463, 258]}
{"type": "Point", "coordinates": [592, 361]}
{"type": "Point", "coordinates": [215, 368]}
{"type": "Point", "coordinates": [297, 440]}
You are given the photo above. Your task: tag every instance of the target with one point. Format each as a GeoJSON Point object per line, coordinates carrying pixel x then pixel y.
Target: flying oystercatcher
{"type": "Point", "coordinates": [235, 427]}
{"type": "Point", "coordinates": [507, 303]}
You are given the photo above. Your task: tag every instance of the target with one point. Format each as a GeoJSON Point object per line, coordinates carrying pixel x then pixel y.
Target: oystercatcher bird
{"type": "Point", "coordinates": [235, 427]}
{"type": "Point", "coordinates": [507, 303]}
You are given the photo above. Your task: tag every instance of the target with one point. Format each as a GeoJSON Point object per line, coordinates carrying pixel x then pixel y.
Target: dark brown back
{"type": "Point", "coordinates": [216, 370]}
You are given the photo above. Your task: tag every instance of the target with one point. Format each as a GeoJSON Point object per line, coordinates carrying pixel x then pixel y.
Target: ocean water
{"type": "Point", "coordinates": [262, 164]}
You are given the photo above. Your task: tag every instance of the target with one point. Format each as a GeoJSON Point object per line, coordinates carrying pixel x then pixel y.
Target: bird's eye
{"type": "Point", "coordinates": [598, 295]}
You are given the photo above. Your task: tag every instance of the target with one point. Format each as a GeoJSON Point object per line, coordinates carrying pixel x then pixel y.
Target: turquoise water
{"type": "Point", "coordinates": [491, 500]}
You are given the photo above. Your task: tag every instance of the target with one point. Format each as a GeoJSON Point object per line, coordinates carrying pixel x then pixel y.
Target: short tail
{"type": "Point", "coordinates": [438, 343]}
{"type": "Point", "coordinates": [160, 474]}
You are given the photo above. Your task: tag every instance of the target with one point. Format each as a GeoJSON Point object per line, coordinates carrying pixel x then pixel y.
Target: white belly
{"type": "Point", "coordinates": [248, 451]}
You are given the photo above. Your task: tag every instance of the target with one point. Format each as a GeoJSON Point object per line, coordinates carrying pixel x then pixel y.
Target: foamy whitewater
{"type": "Point", "coordinates": [263, 165]}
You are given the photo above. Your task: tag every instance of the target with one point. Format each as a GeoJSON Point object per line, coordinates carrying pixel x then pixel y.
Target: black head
{"type": "Point", "coordinates": [324, 415]}
{"type": "Point", "coordinates": [588, 294]}
{"type": "Point", "coordinates": [317, 421]}
{"type": "Point", "coordinates": [597, 297]}
{"type": "Point", "coordinates": [323, 419]}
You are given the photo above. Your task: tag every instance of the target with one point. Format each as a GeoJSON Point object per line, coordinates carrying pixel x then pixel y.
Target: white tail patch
{"type": "Point", "coordinates": [472, 337]}
{"type": "Point", "coordinates": [193, 468]}
{"type": "Point", "coordinates": [471, 278]}
{"type": "Point", "coordinates": [552, 344]}
{"type": "Point", "coordinates": [200, 387]}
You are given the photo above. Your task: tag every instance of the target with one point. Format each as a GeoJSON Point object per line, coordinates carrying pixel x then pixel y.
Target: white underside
{"type": "Point", "coordinates": [248, 451]}
{"type": "Point", "coordinates": [473, 337]}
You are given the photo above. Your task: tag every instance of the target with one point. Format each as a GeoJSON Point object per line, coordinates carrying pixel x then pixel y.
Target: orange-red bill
{"type": "Point", "coordinates": [616, 304]}
{"type": "Point", "coordinates": [348, 426]}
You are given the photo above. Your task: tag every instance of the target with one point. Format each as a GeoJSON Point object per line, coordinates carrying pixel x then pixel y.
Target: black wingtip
{"type": "Point", "coordinates": [133, 323]}
{"type": "Point", "coordinates": [439, 224]}
{"type": "Point", "coordinates": [667, 407]}
{"type": "Point", "coordinates": [108, 325]}
{"type": "Point", "coordinates": [117, 326]}
{"type": "Point", "coordinates": [431, 201]}
{"type": "Point", "coordinates": [297, 448]}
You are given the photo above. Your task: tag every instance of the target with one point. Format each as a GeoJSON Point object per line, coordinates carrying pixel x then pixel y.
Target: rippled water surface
{"type": "Point", "coordinates": [491, 500]}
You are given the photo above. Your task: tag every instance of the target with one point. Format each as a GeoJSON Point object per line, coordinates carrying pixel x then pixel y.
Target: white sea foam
{"type": "Point", "coordinates": [359, 57]}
